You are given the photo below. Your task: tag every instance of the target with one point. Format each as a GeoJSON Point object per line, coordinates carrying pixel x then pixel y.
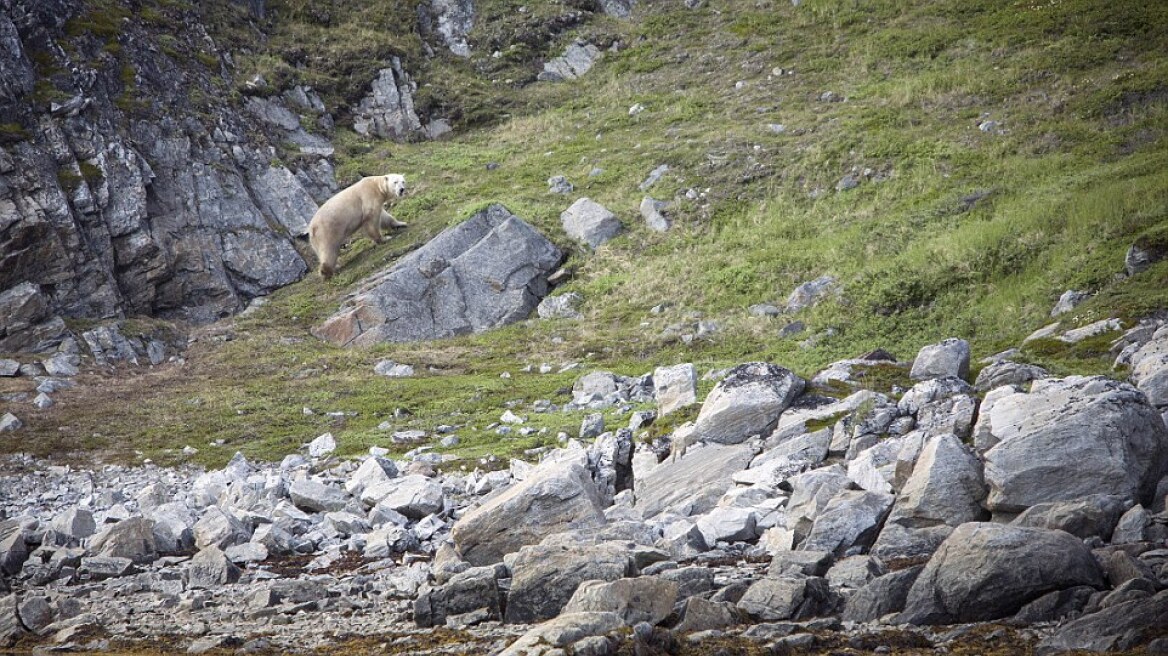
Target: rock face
{"type": "Point", "coordinates": [110, 212]}
{"type": "Point", "coordinates": [486, 272]}
{"type": "Point", "coordinates": [988, 571]}
{"type": "Point", "coordinates": [388, 111]}
{"type": "Point", "coordinates": [1071, 438]}
{"type": "Point", "coordinates": [454, 18]}
{"type": "Point", "coordinates": [747, 402]}
{"type": "Point", "coordinates": [555, 499]}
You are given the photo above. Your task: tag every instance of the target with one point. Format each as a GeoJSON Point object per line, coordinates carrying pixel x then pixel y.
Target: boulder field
{"type": "Point", "coordinates": [782, 515]}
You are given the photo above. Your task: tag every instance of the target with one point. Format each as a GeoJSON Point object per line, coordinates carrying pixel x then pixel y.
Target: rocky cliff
{"type": "Point", "coordinates": [131, 183]}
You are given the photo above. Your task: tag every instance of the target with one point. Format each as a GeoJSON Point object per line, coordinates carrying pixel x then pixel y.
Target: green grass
{"type": "Point", "coordinates": [954, 231]}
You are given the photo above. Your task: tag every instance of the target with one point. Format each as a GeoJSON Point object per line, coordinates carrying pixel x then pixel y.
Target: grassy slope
{"type": "Point", "coordinates": [1078, 170]}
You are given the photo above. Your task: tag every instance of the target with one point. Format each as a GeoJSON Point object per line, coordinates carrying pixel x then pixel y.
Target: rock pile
{"type": "Point", "coordinates": [1042, 502]}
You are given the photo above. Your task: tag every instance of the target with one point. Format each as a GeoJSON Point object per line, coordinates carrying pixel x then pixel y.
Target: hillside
{"type": "Point", "coordinates": [1001, 153]}
{"type": "Point", "coordinates": [877, 361]}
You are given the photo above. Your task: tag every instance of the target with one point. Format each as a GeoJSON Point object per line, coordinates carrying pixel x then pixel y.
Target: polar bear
{"type": "Point", "coordinates": [360, 205]}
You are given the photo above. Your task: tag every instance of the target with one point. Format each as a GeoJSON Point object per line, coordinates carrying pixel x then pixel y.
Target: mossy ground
{"type": "Point", "coordinates": [958, 227]}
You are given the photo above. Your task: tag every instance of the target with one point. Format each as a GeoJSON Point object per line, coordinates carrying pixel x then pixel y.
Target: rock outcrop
{"type": "Point", "coordinates": [127, 197]}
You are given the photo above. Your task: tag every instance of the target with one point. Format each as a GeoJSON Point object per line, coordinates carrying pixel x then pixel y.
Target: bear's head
{"type": "Point", "coordinates": [392, 186]}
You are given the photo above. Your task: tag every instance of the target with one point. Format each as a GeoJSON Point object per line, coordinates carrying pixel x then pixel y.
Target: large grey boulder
{"type": "Point", "coordinates": [313, 495]}
{"type": "Point", "coordinates": [211, 568]}
{"type": "Point", "coordinates": [944, 491]}
{"type": "Point", "coordinates": [554, 499]}
{"type": "Point", "coordinates": [219, 528]}
{"type": "Point", "coordinates": [590, 222]}
{"type": "Point", "coordinates": [1007, 373]}
{"type": "Point", "coordinates": [414, 496]}
{"type": "Point", "coordinates": [1124, 626]}
{"type": "Point", "coordinates": [946, 487]}
{"type": "Point", "coordinates": [693, 483]}
{"type": "Point", "coordinates": [748, 401]}
{"type": "Point", "coordinates": [1094, 515]}
{"type": "Point", "coordinates": [946, 358]}
{"type": "Point", "coordinates": [475, 590]}
{"type": "Point", "coordinates": [851, 519]}
{"type": "Point", "coordinates": [486, 272]}
{"type": "Point", "coordinates": [1150, 368]}
{"type": "Point", "coordinates": [881, 596]}
{"type": "Point", "coordinates": [988, 571]}
{"type": "Point", "coordinates": [544, 578]}
{"type": "Point", "coordinates": [810, 493]}
{"type": "Point", "coordinates": [641, 599]}
{"type": "Point", "coordinates": [788, 598]}
{"type": "Point", "coordinates": [13, 547]}
{"type": "Point", "coordinates": [565, 630]}
{"type": "Point", "coordinates": [1072, 438]}
{"type": "Point", "coordinates": [131, 538]}
{"type": "Point", "coordinates": [675, 387]}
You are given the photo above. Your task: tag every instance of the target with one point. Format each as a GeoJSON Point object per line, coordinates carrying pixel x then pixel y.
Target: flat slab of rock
{"type": "Point", "coordinates": [987, 571]}
{"type": "Point", "coordinates": [486, 272]}
{"type": "Point", "coordinates": [555, 499]}
{"type": "Point", "coordinates": [693, 483]}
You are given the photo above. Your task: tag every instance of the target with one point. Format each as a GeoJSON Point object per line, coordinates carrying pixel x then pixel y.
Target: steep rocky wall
{"type": "Point", "coordinates": [130, 183]}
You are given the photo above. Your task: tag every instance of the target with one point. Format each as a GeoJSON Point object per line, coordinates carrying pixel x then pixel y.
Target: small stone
{"type": "Point", "coordinates": [654, 177]}
{"type": "Point", "coordinates": [391, 369]}
{"type": "Point", "coordinates": [322, 446]}
{"type": "Point", "coordinates": [9, 423]}
{"type": "Point", "coordinates": [43, 401]}
{"type": "Point", "coordinates": [558, 184]}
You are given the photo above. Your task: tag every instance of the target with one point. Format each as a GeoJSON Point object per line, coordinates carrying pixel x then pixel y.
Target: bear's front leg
{"type": "Point", "coordinates": [387, 221]}
{"type": "Point", "coordinates": [373, 231]}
